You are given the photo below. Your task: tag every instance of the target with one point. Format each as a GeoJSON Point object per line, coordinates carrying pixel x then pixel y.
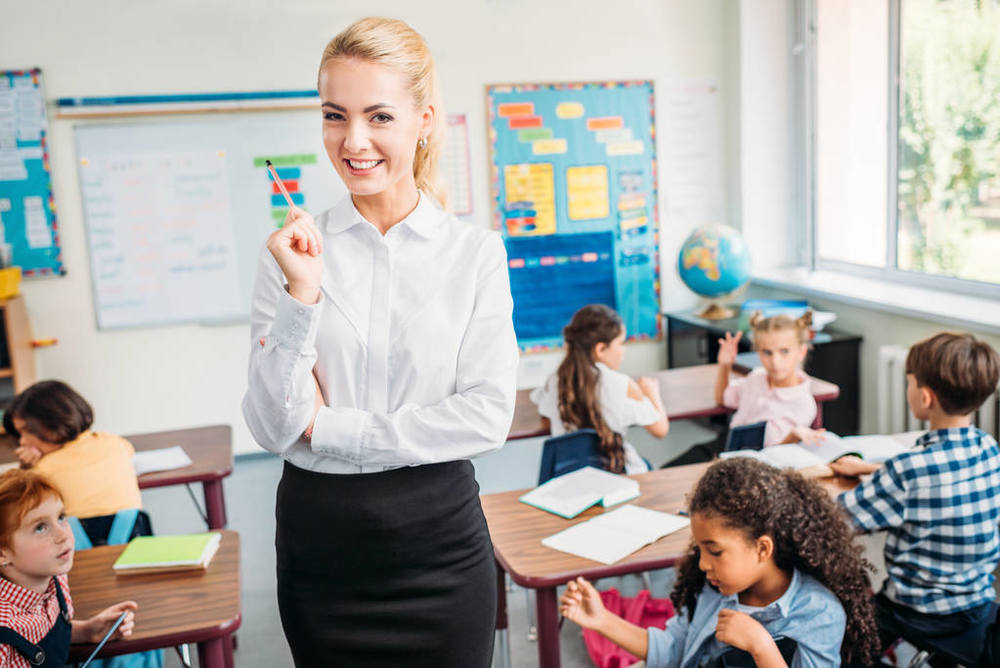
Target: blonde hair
{"type": "Point", "coordinates": [394, 44]}
{"type": "Point", "coordinates": [777, 323]}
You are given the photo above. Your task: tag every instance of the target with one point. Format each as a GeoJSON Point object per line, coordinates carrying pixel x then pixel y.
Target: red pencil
{"type": "Point", "coordinates": [281, 186]}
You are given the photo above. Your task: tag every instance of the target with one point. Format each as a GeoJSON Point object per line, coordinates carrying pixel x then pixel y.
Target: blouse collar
{"type": "Point", "coordinates": [425, 219]}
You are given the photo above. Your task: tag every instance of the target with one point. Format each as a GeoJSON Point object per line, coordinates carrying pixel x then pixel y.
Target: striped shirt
{"type": "Point", "coordinates": [940, 505]}
{"type": "Point", "coordinates": [29, 613]}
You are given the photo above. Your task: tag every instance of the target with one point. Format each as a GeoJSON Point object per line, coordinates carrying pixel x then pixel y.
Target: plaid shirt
{"type": "Point", "coordinates": [941, 506]}
{"type": "Point", "coordinates": [29, 613]}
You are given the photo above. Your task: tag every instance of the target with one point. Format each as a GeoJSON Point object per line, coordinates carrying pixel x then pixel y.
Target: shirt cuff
{"type": "Point", "coordinates": [341, 431]}
{"type": "Point", "coordinates": [654, 647]}
{"type": "Point", "coordinates": [295, 324]}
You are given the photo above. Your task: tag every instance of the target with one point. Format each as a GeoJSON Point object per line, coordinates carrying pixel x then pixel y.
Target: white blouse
{"type": "Point", "coordinates": [619, 410]}
{"type": "Point", "coordinates": [412, 342]}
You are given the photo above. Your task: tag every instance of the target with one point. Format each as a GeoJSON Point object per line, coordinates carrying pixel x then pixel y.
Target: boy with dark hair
{"type": "Point", "coordinates": [941, 502]}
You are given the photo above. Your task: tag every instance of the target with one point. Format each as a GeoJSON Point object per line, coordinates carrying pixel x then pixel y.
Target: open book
{"type": "Point", "coordinates": [160, 554]}
{"type": "Point", "coordinates": [571, 494]}
{"type": "Point", "coordinates": [616, 534]}
{"type": "Point", "coordinates": [876, 449]}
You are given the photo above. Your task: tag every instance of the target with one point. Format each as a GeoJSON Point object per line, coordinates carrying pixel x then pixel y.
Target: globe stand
{"type": "Point", "coordinates": [715, 311]}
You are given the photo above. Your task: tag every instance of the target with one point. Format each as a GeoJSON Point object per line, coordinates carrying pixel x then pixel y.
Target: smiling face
{"type": "Point", "coordinates": [371, 127]}
{"type": "Point", "coordinates": [41, 547]}
{"type": "Point", "coordinates": [731, 562]}
{"type": "Point", "coordinates": [782, 355]}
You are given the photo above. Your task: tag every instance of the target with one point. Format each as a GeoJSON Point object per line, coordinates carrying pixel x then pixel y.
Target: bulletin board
{"type": "Point", "coordinates": [27, 209]}
{"type": "Point", "coordinates": [573, 180]}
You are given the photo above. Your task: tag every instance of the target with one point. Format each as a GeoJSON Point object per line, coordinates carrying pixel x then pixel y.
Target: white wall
{"type": "Point", "coordinates": [168, 377]}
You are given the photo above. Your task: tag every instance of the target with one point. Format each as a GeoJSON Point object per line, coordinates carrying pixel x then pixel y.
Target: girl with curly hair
{"type": "Point", "coordinates": [772, 557]}
{"type": "Point", "coordinates": [588, 390]}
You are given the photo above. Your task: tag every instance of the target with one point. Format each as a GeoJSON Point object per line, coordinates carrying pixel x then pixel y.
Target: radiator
{"type": "Point", "coordinates": [893, 412]}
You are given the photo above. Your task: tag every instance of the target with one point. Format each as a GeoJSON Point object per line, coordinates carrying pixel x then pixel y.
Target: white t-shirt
{"type": "Point", "coordinates": [618, 409]}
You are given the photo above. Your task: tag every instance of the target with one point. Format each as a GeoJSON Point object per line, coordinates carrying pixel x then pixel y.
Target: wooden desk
{"type": "Point", "coordinates": [211, 453]}
{"type": "Point", "coordinates": [200, 607]}
{"type": "Point", "coordinates": [517, 530]}
{"type": "Point", "coordinates": [687, 392]}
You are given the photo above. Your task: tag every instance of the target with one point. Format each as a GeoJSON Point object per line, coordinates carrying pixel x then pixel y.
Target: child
{"type": "Point", "coordinates": [36, 553]}
{"type": "Point", "coordinates": [93, 470]}
{"type": "Point", "coordinates": [940, 503]}
{"type": "Point", "coordinates": [772, 556]}
{"type": "Point", "coordinates": [779, 393]}
{"type": "Point", "coordinates": [589, 391]}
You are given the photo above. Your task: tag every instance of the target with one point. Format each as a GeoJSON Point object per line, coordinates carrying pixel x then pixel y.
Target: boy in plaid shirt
{"type": "Point", "coordinates": [940, 502]}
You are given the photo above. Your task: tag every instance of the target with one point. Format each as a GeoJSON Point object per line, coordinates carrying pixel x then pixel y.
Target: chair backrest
{"type": "Point", "coordinates": [746, 437]}
{"type": "Point", "coordinates": [569, 452]}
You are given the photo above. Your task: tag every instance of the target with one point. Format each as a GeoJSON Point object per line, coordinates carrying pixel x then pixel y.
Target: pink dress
{"type": "Point", "coordinates": [781, 407]}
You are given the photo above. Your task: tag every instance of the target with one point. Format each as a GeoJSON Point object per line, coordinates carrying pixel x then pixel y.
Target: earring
{"type": "Point", "coordinates": [422, 142]}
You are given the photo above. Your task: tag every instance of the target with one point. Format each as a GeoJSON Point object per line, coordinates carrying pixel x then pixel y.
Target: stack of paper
{"type": "Point", "coordinates": [159, 554]}
{"type": "Point", "coordinates": [165, 459]}
{"type": "Point", "coordinates": [614, 535]}
{"type": "Point", "coordinates": [571, 494]}
{"type": "Point", "coordinates": [875, 449]}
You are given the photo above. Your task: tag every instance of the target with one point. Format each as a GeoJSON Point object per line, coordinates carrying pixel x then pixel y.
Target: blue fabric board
{"type": "Point", "coordinates": [626, 276]}
{"type": "Point", "coordinates": [25, 174]}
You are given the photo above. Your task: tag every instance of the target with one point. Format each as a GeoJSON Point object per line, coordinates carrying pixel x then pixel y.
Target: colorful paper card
{"type": "Point", "coordinates": [574, 179]}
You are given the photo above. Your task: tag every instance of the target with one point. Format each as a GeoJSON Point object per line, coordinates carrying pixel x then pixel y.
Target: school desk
{"type": "Point", "coordinates": [687, 393]}
{"type": "Point", "coordinates": [211, 453]}
{"type": "Point", "coordinates": [200, 607]}
{"type": "Point", "coordinates": [517, 530]}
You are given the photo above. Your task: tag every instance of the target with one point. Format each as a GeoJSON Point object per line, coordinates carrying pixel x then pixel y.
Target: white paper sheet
{"type": "Point", "coordinates": [616, 534]}
{"type": "Point", "coordinates": [164, 459]}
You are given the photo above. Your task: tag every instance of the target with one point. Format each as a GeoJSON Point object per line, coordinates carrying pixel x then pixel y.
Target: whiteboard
{"type": "Point", "coordinates": [178, 210]}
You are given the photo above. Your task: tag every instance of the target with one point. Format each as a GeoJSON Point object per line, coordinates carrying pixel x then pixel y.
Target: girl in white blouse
{"type": "Point", "coordinates": [383, 358]}
{"type": "Point", "coordinates": [589, 391]}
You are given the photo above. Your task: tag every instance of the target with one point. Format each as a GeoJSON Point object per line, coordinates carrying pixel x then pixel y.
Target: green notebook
{"type": "Point", "coordinates": [167, 553]}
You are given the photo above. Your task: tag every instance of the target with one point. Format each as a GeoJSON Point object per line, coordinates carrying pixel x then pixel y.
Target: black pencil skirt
{"type": "Point", "coordinates": [385, 569]}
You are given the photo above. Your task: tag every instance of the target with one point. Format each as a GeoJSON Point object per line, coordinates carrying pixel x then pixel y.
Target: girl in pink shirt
{"type": "Point", "coordinates": [778, 393]}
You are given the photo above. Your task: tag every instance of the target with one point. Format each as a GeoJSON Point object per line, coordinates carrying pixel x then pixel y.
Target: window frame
{"type": "Point", "coordinates": [804, 198]}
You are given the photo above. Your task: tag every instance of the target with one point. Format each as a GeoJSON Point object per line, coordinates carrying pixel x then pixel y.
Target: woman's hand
{"type": "Point", "coordinates": [93, 629]}
{"type": "Point", "coordinates": [728, 348]}
{"type": "Point", "coordinates": [28, 455]}
{"type": "Point", "coordinates": [852, 466]}
{"type": "Point", "coordinates": [298, 249]}
{"type": "Point", "coordinates": [582, 604]}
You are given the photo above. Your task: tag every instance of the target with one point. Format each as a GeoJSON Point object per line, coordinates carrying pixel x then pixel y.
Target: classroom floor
{"type": "Point", "coordinates": [250, 505]}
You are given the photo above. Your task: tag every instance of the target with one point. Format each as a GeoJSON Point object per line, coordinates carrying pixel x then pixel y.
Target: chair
{"type": "Point", "coordinates": [964, 649]}
{"type": "Point", "coordinates": [737, 658]}
{"type": "Point", "coordinates": [746, 437]}
{"type": "Point", "coordinates": [569, 452]}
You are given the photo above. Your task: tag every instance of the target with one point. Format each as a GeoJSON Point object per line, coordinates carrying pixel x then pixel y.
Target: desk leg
{"type": "Point", "coordinates": [547, 607]}
{"type": "Point", "coordinates": [503, 641]}
{"type": "Point", "coordinates": [818, 422]}
{"type": "Point", "coordinates": [215, 504]}
{"type": "Point", "coordinates": [228, 645]}
{"type": "Point", "coordinates": [212, 653]}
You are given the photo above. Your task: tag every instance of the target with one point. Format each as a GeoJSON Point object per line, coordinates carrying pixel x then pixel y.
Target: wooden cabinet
{"type": "Point", "coordinates": [692, 340]}
{"type": "Point", "coordinates": [17, 357]}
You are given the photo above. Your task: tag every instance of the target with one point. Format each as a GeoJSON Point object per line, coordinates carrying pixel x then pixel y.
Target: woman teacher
{"type": "Point", "coordinates": [383, 358]}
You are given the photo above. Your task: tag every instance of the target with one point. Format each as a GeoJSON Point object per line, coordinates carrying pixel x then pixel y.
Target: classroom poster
{"type": "Point", "coordinates": [27, 208]}
{"type": "Point", "coordinates": [574, 189]}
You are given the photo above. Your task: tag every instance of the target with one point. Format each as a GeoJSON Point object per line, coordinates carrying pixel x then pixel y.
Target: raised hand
{"type": "Point", "coordinates": [582, 604]}
{"type": "Point", "coordinates": [298, 249]}
{"type": "Point", "coordinates": [728, 348]}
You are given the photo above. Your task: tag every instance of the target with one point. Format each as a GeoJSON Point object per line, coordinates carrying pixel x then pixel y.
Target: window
{"type": "Point", "coordinates": [907, 140]}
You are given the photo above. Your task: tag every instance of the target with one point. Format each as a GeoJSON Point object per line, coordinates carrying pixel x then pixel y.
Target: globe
{"type": "Point", "coordinates": [713, 262]}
